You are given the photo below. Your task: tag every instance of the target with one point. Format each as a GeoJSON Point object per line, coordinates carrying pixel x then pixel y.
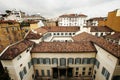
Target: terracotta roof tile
{"type": "Point", "coordinates": [73, 15]}
{"type": "Point", "coordinates": [8, 21]}
{"type": "Point", "coordinates": [101, 29]}
{"type": "Point", "coordinates": [115, 36]}
{"type": "Point", "coordinates": [32, 35]}
{"type": "Point", "coordinates": [112, 48]}
{"type": "Point", "coordinates": [68, 47]}
{"type": "Point", "coordinates": [62, 29]}
{"type": "Point", "coordinates": [16, 49]}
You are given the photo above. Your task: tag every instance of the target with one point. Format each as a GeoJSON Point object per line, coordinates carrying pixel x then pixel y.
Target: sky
{"type": "Point", "coordinates": [55, 8]}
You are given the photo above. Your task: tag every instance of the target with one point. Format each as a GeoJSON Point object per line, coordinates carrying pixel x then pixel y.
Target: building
{"type": "Point", "coordinates": [85, 57]}
{"type": "Point", "coordinates": [10, 32]}
{"type": "Point", "coordinates": [113, 20]}
{"type": "Point", "coordinates": [96, 21]}
{"type": "Point", "coordinates": [115, 38]}
{"type": "Point", "coordinates": [16, 15]}
{"type": "Point", "coordinates": [72, 20]}
{"type": "Point", "coordinates": [101, 31]}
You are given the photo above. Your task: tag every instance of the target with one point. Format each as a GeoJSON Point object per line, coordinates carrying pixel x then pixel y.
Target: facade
{"type": "Point", "coordinates": [101, 31]}
{"type": "Point", "coordinates": [115, 38]}
{"type": "Point", "coordinates": [85, 57]}
{"type": "Point", "coordinates": [113, 20]}
{"type": "Point", "coordinates": [15, 15]}
{"type": "Point", "coordinates": [10, 32]}
{"type": "Point", "coordinates": [96, 21]}
{"type": "Point", "coordinates": [72, 20]}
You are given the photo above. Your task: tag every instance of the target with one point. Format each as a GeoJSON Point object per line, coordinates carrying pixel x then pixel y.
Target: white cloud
{"type": "Point", "coordinates": [52, 8]}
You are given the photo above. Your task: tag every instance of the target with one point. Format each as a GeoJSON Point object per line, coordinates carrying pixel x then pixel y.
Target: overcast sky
{"type": "Point", "coordinates": [54, 8]}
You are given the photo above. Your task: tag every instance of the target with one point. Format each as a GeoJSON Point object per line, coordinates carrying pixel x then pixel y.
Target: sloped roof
{"type": "Point", "coordinates": [63, 47]}
{"type": "Point", "coordinates": [14, 50]}
{"type": "Point", "coordinates": [100, 29]}
{"type": "Point", "coordinates": [62, 28]}
{"type": "Point", "coordinates": [112, 48]}
{"type": "Point", "coordinates": [73, 15]}
{"type": "Point", "coordinates": [32, 35]}
{"type": "Point", "coordinates": [115, 36]}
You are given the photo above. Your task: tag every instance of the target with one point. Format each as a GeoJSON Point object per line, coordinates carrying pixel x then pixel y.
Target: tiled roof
{"type": "Point", "coordinates": [8, 21]}
{"type": "Point", "coordinates": [63, 47]}
{"type": "Point", "coordinates": [97, 19]}
{"type": "Point", "coordinates": [14, 50]}
{"type": "Point", "coordinates": [32, 35]}
{"type": "Point", "coordinates": [112, 48]}
{"type": "Point", "coordinates": [62, 29]}
{"type": "Point", "coordinates": [101, 29]}
{"type": "Point", "coordinates": [73, 15]}
{"type": "Point", "coordinates": [115, 36]}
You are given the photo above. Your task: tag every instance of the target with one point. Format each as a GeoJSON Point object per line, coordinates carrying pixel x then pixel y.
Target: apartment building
{"type": "Point", "coordinates": [85, 57]}
{"type": "Point", "coordinates": [72, 20]}
{"type": "Point", "coordinates": [14, 14]}
{"type": "Point", "coordinates": [10, 32]}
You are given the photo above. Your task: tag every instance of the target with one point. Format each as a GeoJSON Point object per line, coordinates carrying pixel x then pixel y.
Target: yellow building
{"type": "Point", "coordinates": [10, 32]}
{"type": "Point", "coordinates": [113, 20]}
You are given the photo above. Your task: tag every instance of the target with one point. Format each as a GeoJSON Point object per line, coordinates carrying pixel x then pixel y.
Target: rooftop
{"type": "Point", "coordinates": [63, 47]}
{"type": "Point", "coordinates": [112, 48]}
{"type": "Point", "coordinates": [115, 36]}
{"type": "Point", "coordinates": [32, 35]}
{"type": "Point", "coordinates": [73, 15]}
{"type": "Point", "coordinates": [101, 29]}
{"type": "Point", "coordinates": [14, 50]}
{"type": "Point", "coordinates": [62, 29]}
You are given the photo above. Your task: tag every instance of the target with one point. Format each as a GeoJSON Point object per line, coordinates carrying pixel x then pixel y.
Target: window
{"type": "Point", "coordinates": [97, 63]}
{"type": "Point", "coordinates": [83, 73]}
{"type": "Point", "coordinates": [34, 60]}
{"type": "Point", "coordinates": [84, 68]}
{"type": "Point", "coordinates": [85, 61]}
{"type": "Point", "coordinates": [21, 75]}
{"type": "Point", "coordinates": [70, 60]}
{"type": "Point", "coordinates": [57, 33]}
{"type": "Point", "coordinates": [92, 60]}
{"type": "Point", "coordinates": [54, 61]}
{"type": "Point", "coordinates": [77, 69]}
{"type": "Point", "coordinates": [105, 73]}
{"type": "Point", "coordinates": [47, 60]}
{"type": "Point", "coordinates": [70, 34]}
{"type": "Point", "coordinates": [90, 69]}
{"type": "Point", "coordinates": [62, 62]}
{"type": "Point", "coordinates": [29, 65]}
{"type": "Point", "coordinates": [96, 34]}
{"type": "Point", "coordinates": [24, 69]}
{"type": "Point", "coordinates": [42, 71]}
{"type": "Point", "coordinates": [76, 73]}
{"type": "Point", "coordinates": [89, 73]}
{"type": "Point", "coordinates": [61, 33]}
{"type": "Point", "coordinates": [48, 73]}
{"type": "Point", "coordinates": [40, 60]}
{"type": "Point", "coordinates": [37, 72]}
{"type": "Point", "coordinates": [77, 61]}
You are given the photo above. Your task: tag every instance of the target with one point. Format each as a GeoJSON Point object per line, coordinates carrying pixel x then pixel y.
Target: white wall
{"type": "Point", "coordinates": [106, 60]}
